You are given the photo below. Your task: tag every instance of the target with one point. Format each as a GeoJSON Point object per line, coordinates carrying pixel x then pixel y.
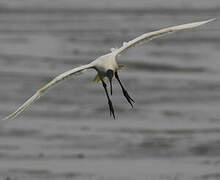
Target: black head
{"type": "Point", "coordinates": [110, 74]}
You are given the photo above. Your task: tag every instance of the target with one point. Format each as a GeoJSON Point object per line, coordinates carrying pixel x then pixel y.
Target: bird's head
{"type": "Point", "coordinates": [110, 74]}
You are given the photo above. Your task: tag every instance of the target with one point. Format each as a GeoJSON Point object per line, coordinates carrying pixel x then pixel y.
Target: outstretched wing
{"type": "Point", "coordinates": [154, 34]}
{"type": "Point", "coordinates": [46, 87]}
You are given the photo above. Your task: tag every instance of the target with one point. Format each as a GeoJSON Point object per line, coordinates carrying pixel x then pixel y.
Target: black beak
{"type": "Point", "coordinates": [110, 75]}
{"type": "Point", "coordinates": [110, 81]}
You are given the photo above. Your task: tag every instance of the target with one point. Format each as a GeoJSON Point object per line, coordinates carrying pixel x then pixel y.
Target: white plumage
{"type": "Point", "coordinates": [105, 63]}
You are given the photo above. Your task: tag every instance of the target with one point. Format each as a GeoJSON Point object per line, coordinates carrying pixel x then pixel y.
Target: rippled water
{"type": "Point", "coordinates": [172, 132]}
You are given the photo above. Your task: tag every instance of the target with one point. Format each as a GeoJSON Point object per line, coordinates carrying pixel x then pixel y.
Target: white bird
{"type": "Point", "coordinates": [106, 67]}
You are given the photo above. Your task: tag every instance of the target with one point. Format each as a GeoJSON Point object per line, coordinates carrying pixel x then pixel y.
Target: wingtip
{"type": "Point", "coordinates": [192, 25]}
{"type": "Point", "coordinates": [7, 118]}
{"type": "Point", "coordinates": [207, 21]}
{"type": "Point", "coordinates": [204, 22]}
{"type": "Point", "coordinates": [4, 119]}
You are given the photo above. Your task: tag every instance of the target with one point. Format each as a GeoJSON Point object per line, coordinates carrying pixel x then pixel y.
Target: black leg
{"type": "Point", "coordinates": [112, 112]}
{"type": "Point", "coordinates": [129, 99]}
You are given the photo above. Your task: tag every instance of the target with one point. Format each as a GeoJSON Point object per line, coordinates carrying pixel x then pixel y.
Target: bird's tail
{"type": "Point", "coordinates": [24, 106]}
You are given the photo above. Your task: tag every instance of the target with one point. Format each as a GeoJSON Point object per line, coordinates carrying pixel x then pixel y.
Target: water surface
{"type": "Point", "coordinates": [173, 130]}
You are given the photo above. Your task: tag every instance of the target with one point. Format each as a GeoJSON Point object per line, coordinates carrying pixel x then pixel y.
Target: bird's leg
{"type": "Point", "coordinates": [129, 99]}
{"type": "Point", "coordinates": [112, 112]}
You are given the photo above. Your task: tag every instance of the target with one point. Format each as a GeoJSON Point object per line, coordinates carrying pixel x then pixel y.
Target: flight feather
{"type": "Point", "coordinates": [41, 91]}
{"type": "Point", "coordinates": [151, 35]}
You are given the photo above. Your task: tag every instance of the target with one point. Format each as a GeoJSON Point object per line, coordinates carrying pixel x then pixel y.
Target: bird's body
{"type": "Point", "coordinates": [106, 67]}
{"type": "Point", "coordinates": [104, 63]}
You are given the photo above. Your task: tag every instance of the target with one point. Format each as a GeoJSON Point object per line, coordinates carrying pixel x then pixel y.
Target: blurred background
{"type": "Point", "coordinates": [173, 131]}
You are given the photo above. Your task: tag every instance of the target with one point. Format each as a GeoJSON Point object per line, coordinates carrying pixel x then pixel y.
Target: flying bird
{"type": "Point", "coordinates": [107, 68]}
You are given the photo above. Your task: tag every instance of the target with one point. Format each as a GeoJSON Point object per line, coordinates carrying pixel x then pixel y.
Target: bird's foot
{"type": "Point", "coordinates": [127, 96]}
{"type": "Point", "coordinates": [112, 112]}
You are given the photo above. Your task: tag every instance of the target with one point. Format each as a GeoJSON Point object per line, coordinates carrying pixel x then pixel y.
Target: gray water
{"type": "Point", "coordinates": [173, 131]}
